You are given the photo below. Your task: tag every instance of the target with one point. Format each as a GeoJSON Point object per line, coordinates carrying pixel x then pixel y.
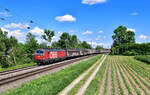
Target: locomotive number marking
{"type": "Point", "coordinates": [53, 54]}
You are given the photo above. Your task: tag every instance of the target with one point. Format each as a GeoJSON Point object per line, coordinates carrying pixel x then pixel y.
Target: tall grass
{"type": "Point", "coordinates": [143, 58]}
{"type": "Point", "coordinates": [106, 81]}
{"type": "Point", "coordinates": [94, 87]}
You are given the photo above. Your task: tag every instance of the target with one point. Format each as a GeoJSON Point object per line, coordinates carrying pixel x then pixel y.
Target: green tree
{"type": "Point", "coordinates": [4, 47]}
{"type": "Point", "coordinates": [30, 45]}
{"type": "Point", "coordinates": [74, 41]}
{"type": "Point", "coordinates": [85, 45]}
{"type": "Point", "coordinates": [123, 36]}
{"type": "Point", "coordinates": [99, 47]}
{"type": "Point", "coordinates": [48, 35]}
{"type": "Point", "coordinates": [65, 40]}
{"type": "Point", "coordinates": [13, 43]}
{"type": "Point", "coordinates": [121, 39]}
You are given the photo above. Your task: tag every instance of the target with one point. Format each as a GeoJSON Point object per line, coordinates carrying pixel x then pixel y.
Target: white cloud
{"type": "Point", "coordinates": [104, 37]}
{"type": "Point", "coordinates": [87, 32]}
{"type": "Point", "coordinates": [59, 33]}
{"type": "Point", "coordinates": [130, 29]}
{"type": "Point", "coordinates": [143, 37]}
{"type": "Point", "coordinates": [100, 32]}
{"type": "Point", "coordinates": [134, 13]}
{"type": "Point", "coordinates": [37, 31]}
{"type": "Point", "coordinates": [16, 33]}
{"type": "Point", "coordinates": [66, 18]}
{"type": "Point", "coordinates": [98, 38]}
{"type": "Point", "coordinates": [4, 14]}
{"type": "Point", "coordinates": [92, 2]}
{"type": "Point", "coordinates": [94, 44]}
{"type": "Point", "coordinates": [16, 25]}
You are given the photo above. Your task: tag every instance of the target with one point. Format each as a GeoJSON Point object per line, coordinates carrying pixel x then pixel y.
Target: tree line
{"type": "Point", "coordinates": [13, 53]}
{"type": "Point", "coordinates": [124, 43]}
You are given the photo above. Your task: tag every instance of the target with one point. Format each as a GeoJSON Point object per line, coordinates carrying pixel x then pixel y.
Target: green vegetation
{"type": "Point", "coordinates": [124, 43]}
{"type": "Point", "coordinates": [126, 84]}
{"type": "Point", "coordinates": [48, 35]}
{"type": "Point", "coordinates": [54, 83]}
{"type": "Point", "coordinates": [99, 47]}
{"type": "Point", "coordinates": [131, 75]}
{"type": "Point", "coordinates": [132, 66]}
{"type": "Point", "coordinates": [133, 85]}
{"type": "Point", "coordinates": [82, 82]}
{"type": "Point", "coordinates": [94, 87]}
{"type": "Point", "coordinates": [70, 41]}
{"type": "Point", "coordinates": [13, 53]}
{"type": "Point", "coordinates": [106, 81]}
{"type": "Point", "coordinates": [135, 79]}
{"type": "Point", "coordinates": [122, 37]}
{"type": "Point", "coordinates": [139, 67]}
{"type": "Point", "coordinates": [143, 58]}
{"type": "Point", "coordinates": [17, 67]}
{"type": "Point", "coordinates": [113, 81]}
{"type": "Point", "coordinates": [119, 82]}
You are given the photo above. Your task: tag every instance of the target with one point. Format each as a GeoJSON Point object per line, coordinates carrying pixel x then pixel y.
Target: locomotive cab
{"type": "Point", "coordinates": [39, 56]}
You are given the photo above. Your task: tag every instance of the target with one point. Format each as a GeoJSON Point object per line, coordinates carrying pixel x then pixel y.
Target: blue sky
{"type": "Point", "coordinates": [91, 20]}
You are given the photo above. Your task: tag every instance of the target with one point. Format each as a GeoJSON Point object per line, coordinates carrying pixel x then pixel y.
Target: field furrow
{"type": "Point", "coordinates": [110, 80]}
{"type": "Point", "coordinates": [106, 81]}
{"type": "Point", "coordinates": [117, 88]}
{"type": "Point", "coordinates": [136, 80]}
{"type": "Point", "coordinates": [127, 82]}
{"type": "Point", "coordinates": [113, 80]}
{"type": "Point", "coordinates": [102, 86]}
{"type": "Point", "coordinates": [143, 80]}
{"type": "Point", "coordinates": [140, 82]}
{"type": "Point", "coordinates": [138, 90]}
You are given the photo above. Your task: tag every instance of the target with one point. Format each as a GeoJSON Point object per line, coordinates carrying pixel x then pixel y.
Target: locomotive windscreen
{"type": "Point", "coordinates": [39, 52]}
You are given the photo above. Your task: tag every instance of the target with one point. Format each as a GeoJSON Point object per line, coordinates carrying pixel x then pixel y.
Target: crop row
{"type": "Point", "coordinates": [141, 82]}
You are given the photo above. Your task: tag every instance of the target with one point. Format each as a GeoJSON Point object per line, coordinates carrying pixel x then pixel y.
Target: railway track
{"type": "Point", "coordinates": [16, 70]}
{"type": "Point", "coordinates": [16, 77]}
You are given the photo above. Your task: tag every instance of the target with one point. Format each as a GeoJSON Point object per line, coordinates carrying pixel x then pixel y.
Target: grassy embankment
{"type": "Point", "coordinates": [17, 67]}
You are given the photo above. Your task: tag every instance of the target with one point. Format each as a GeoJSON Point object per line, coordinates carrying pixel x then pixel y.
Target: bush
{"type": "Point", "coordinates": [143, 58]}
{"type": "Point", "coordinates": [3, 62]}
{"type": "Point", "coordinates": [130, 53]}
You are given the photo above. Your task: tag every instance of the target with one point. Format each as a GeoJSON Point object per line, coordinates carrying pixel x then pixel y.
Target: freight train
{"type": "Point", "coordinates": [46, 56]}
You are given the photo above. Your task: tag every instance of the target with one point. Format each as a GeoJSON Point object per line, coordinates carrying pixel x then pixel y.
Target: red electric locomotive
{"type": "Point", "coordinates": [44, 56]}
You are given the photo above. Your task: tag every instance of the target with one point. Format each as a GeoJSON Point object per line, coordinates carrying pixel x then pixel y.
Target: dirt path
{"type": "Point", "coordinates": [135, 84]}
{"type": "Point", "coordinates": [70, 86]}
{"type": "Point", "coordinates": [103, 82]}
{"type": "Point", "coordinates": [84, 87]}
{"type": "Point", "coordinates": [122, 82]}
